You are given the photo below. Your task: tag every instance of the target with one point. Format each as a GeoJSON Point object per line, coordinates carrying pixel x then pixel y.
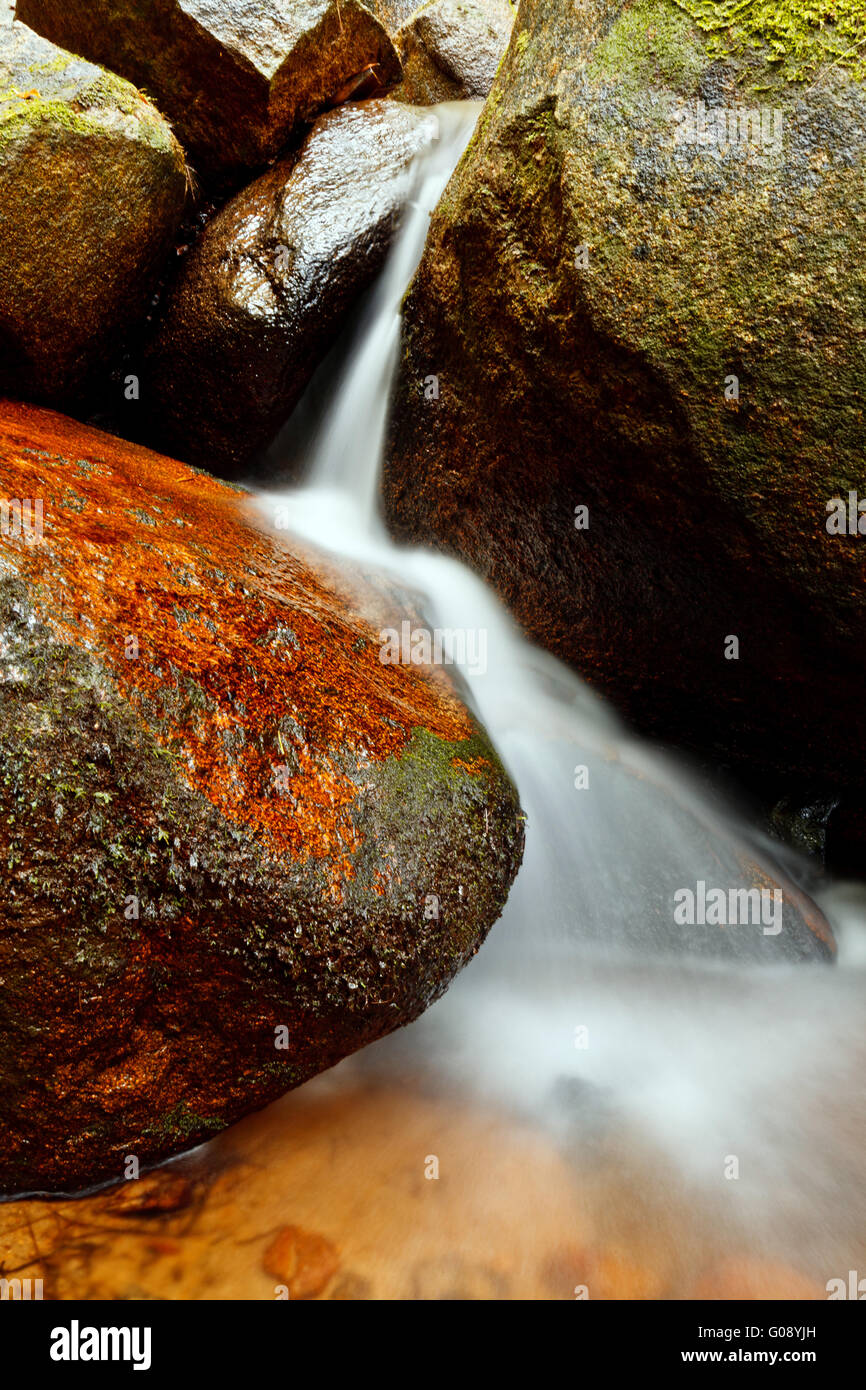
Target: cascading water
{"type": "Point", "coordinates": [589, 1012]}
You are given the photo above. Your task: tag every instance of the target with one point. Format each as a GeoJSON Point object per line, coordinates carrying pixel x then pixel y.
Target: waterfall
{"type": "Point", "coordinates": [588, 1008]}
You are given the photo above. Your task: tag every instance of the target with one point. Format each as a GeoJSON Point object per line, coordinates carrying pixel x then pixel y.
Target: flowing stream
{"type": "Point", "coordinates": [587, 1009]}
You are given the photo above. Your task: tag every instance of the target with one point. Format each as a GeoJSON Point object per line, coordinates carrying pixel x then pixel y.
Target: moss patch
{"type": "Point", "coordinates": [181, 1124]}
{"type": "Point", "coordinates": [802, 36]}
{"type": "Point", "coordinates": [651, 42]}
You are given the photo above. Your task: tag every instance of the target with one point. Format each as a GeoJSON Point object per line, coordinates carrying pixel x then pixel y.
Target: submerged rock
{"type": "Point", "coordinates": [235, 77]}
{"type": "Point", "coordinates": [303, 1262]}
{"type": "Point", "coordinates": [450, 49]}
{"type": "Point", "coordinates": [92, 188]}
{"type": "Point", "coordinates": [264, 292]}
{"type": "Point", "coordinates": [644, 300]}
{"type": "Point", "coordinates": [237, 846]}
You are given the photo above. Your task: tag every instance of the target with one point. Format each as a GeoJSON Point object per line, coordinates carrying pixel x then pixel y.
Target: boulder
{"type": "Point", "coordinates": [451, 49]}
{"type": "Point", "coordinates": [644, 300]}
{"type": "Point", "coordinates": [263, 294]}
{"type": "Point", "coordinates": [236, 845]}
{"type": "Point", "coordinates": [236, 78]}
{"type": "Point", "coordinates": [393, 13]}
{"type": "Point", "coordinates": [92, 188]}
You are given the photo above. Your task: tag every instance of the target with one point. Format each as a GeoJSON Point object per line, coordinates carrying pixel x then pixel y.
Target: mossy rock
{"type": "Point", "coordinates": [238, 79]}
{"type": "Point", "coordinates": [236, 846]}
{"type": "Point", "coordinates": [644, 293]}
{"type": "Point", "coordinates": [92, 188]}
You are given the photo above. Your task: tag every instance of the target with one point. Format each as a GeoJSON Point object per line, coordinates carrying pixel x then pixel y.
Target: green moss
{"type": "Point", "coordinates": [428, 758]}
{"type": "Point", "coordinates": [801, 36]}
{"type": "Point", "coordinates": [18, 117]}
{"type": "Point", "coordinates": [651, 42]}
{"type": "Point", "coordinates": [58, 64]}
{"type": "Point", "coordinates": [287, 1074]}
{"type": "Point", "coordinates": [85, 114]}
{"type": "Point", "coordinates": [113, 92]}
{"type": "Point", "coordinates": [180, 1124]}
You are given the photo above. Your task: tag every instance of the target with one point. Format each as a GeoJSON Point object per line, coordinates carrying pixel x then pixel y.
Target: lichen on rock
{"type": "Point", "coordinates": [223, 821]}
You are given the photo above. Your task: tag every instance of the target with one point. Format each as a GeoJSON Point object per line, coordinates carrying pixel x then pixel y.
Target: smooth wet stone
{"type": "Point", "coordinates": [393, 13]}
{"type": "Point", "coordinates": [451, 49]}
{"type": "Point", "coordinates": [264, 293]}
{"type": "Point", "coordinates": [236, 77]}
{"type": "Point", "coordinates": [92, 188]}
{"type": "Point", "coordinates": [237, 847]}
{"type": "Point", "coordinates": [593, 280]}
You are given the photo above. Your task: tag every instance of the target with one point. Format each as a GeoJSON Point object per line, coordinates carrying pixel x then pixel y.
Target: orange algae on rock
{"type": "Point", "coordinates": [127, 537]}
{"type": "Point", "coordinates": [221, 815]}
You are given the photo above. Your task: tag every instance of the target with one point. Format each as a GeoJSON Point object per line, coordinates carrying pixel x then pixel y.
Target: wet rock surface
{"type": "Point", "coordinates": [264, 292]}
{"type": "Point", "coordinates": [451, 49]}
{"type": "Point", "coordinates": [235, 77]}
{"type": "Point", "coordinates": [92, 188]}
{"type": "Point", "coordinates": [393, 13]}
{"type": "Point", "coordinates": [224, 820]}
{"type": "Point", "coordinates": [630, 317]}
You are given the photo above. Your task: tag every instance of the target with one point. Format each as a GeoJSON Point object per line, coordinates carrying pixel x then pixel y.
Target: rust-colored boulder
{"type": "Point", "coordinates": [236, 846]}
{"type": "Point", "coordinates": [92, 188]}
{"type": "Point", "coordinates": [451, 49]}
{"type": "Point", "coordinates": [235, 77]}
{"type": "Point", "coordinates": [263, 293]}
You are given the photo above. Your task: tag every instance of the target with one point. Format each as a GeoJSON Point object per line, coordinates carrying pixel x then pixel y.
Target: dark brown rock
{"type": "Point", "coordinates": [262, 295]}
{"type": "Point", "coordinates": [235, 77]}
{"type": "Point", "coordinates": [92, 188]}
{"type": "Point", "coordinates": [604, 385]}
{"type": "Point", "coordinates": [222, 815]}
{"type": "Point", "coordinates": [451, 49]}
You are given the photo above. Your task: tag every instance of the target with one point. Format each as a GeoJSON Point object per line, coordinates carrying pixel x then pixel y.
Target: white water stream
{"type": "Point", "coordinates": [688, 1058]}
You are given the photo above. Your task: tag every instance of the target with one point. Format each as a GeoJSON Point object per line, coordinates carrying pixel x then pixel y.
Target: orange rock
{"type": "Point", "coordinates": [137, 544]}
{"type": "Point", "coordinates": [222, 814]}
{"type": "Point", "coordinates": [302, 1260]}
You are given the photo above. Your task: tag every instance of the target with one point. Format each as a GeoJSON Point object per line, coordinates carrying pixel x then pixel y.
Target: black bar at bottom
{"type": "Point", "coordinates": [257, 1339]}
